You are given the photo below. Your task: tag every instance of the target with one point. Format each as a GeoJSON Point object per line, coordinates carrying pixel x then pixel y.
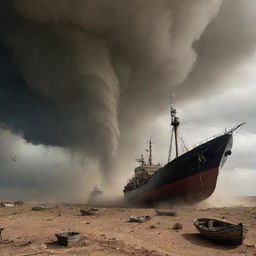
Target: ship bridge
{"type": "Point", "coordinates": [151, 169]}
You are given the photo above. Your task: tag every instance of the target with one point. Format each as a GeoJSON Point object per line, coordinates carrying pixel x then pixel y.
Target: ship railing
{"type": "Point", "coordinates": [209, 138]}
{"type": "Point", "coordinates": [226, 131]}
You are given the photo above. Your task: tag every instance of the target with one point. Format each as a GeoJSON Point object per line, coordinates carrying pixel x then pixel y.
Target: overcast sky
{"type": "Point", "coordinates": [56, 142]}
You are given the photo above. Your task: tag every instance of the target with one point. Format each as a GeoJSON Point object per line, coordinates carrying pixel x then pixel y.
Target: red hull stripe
{"type": "Point", "coordinates": [199, 186]}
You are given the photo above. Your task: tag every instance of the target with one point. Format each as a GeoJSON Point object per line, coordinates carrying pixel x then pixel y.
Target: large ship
{"type": "Point", "coordinates": [190, 177]}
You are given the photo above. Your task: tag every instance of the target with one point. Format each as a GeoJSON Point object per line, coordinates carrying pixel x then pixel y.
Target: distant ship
{"type": "Point", "coordinates": [190, 177]}
{"type": "Point", "coordinates": [95, 193]}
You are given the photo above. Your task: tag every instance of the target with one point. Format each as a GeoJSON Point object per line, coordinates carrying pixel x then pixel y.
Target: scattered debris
{"type": "Point", "coordinates": [87, 212]}
{"type": "Point", "coordinates": [152, 227]}
{"type": "Point", "coordinates": [40, 208]}
{"type": "Point", "coordinates": [7, 204]}
{"type": "Point", "coordinates": [1, 238]}
{"type": "Point", "coordinates": [18, 202]}
{"type": "Point", "coordinates": [166, 213]}
{"type": "Point", "coordinates": [139, 219]}
{"type": "Point", "coordinates": [68, 238]}
{"type": "Point", "coordinates": [177, 226]}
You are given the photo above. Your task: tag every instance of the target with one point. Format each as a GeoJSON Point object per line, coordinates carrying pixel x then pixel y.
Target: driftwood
{"type": "Point", "coordinates": [40, 208]}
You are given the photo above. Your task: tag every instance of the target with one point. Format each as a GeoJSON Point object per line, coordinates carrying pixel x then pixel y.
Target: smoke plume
{"type": "Point", "coordinates": [76, 71]}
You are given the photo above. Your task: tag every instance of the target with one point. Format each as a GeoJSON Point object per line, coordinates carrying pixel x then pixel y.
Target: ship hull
{"type": "Point", "coordinates": [192, 177]}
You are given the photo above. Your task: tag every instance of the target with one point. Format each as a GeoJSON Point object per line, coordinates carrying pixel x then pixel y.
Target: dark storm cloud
{"type": "Point", "coordinates": [73, 59]}
{"type": "Point", "coordinates": [22, 109]}
{"type": "Point", "coordinates": [229, 40]}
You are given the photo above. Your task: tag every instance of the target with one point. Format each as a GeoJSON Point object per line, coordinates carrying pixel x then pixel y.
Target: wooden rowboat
{"type": "Point", "coordinates": [221, 232]}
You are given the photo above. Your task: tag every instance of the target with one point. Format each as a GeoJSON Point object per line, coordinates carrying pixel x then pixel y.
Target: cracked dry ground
{"type": "Point", "coordinates": [109, 232]}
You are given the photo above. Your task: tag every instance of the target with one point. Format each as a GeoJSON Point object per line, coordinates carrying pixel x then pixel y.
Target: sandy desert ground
{"type": "Point", "coordinates": [108, 232]}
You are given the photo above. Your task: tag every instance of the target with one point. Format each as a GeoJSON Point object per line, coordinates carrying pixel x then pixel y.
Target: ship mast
{"type": "Point", "coordinates": [175, 124]}
{"type": "Point", "coordinates": [150, 153]}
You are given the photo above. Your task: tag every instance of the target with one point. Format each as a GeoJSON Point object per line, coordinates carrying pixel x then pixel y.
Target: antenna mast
{"type": "Point", "coordinates": [175, 123]}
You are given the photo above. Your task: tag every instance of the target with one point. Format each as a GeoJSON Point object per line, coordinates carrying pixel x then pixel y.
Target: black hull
{"type": "Point", "coordinates": [191, 177]}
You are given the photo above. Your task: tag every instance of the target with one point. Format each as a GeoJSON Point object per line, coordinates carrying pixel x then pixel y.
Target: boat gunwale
{"type": "Point", "coordinates": [227, 229]}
